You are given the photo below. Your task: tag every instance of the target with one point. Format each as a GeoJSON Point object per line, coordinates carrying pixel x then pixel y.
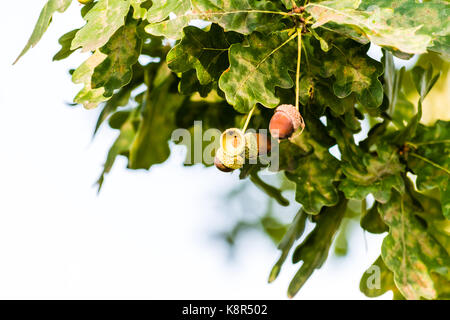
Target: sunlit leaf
{"type": "Point", "coordinates": [408, 26]}
{"type": "Point", "coordinates": [240, 16]}
{"type": "Point", "coordinates": [89, 96]}
{"type": "Point", "coordinates": [256, 69]}
{"type": "Point", "coordinates": [43, 22]}
{"type": "Point", "coordinates": [103, 20]}
{"type": "Point", "coordinates": [122, 52]}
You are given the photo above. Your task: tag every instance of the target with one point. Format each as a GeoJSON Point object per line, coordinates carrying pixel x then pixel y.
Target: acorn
{"type": "Point", "coordinates": [230, 155]}
{"type": "Point", "coordinates": [285, 121]}
{"type": "Point", "coordinates": [84, 1]}
{"type": "Point", "coordinates": [218, 163]}
{"type": "Point", "coordinates": [226, 162]}
{"type": "Point", "coordinates": [232, 141]}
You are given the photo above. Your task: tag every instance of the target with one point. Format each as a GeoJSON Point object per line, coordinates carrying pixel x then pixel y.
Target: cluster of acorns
{"type": "Point", "coordinates": [235, 146]}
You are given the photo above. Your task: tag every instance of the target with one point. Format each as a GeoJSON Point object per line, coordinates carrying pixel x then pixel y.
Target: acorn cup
{"type": "Point", "coordinates": [226, 162]}
{"type": "Point", "coordinates": [230, 155]}
{"type": "Point", "coordinates": [285, 121]}
{"type": "Point", "coordinates": [251, 146]}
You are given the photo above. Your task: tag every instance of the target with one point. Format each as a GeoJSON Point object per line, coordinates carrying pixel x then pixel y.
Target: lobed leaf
{"type": "Point", "coordinates": [293, 233]}
{"type": "Point", "coordinates": [313, 251]}
{"type": "Point", "coordinates": [150, 145]}
{"type": "Point", "coordinates": [122, 52]}
{"type": "Point", "coordinates": [378, 280]}
{"type": "Point", "coordinates": [410, 251]}
{"type": "Point", "coordinates": [88, 96]}
{"type": "Point", "coordinates": [367, 173]}
{"type": "Point", "coordinates": [314, 171]}
{"type": "Point", "coordinates": [407, 26]}
{"type": "Point", "coordinates": [240, 16]}
{"type": "Point", "coordinates": [103, 20]}
{"type": "Point", "coordinates": [65, 41]}
{"type": "Point", "coordinates": [43, 22]}
{"type": "Point", "coordinates": [204, 51]}
{"type": "Point", "coordinates": [256, 69]}
{"type": "Point", "coordinates": [430, 160]}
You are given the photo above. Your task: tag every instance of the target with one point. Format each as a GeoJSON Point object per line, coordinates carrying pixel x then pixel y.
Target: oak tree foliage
{"type": "Point", "coordinates": [158, 65]}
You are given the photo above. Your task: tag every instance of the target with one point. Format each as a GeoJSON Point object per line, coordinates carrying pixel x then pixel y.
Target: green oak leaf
{"type": "Point", "coordinates": [316, 92]}
{"type": "Point", "coordinates": [122, 52]}
{"type": "Point", "coordinates": [256, 68]}
{"type": "Point", "coordinates": [43, 22]}
{"type": "Point", "coordinates": [378, 280]}
{"type": "Point", "coordinates": [314, 172]}
{"type": "Point", "coordinates": [161, 9]}
{"type": "Point", "coordinates": [150, 145]}
{"type": "Point", "coordinates": [122, 144]}
{"type": "Point", "coordinates": [424, 80]}
{"type": "Point", "coordinates": [189, 84]}
{"type": "Point", "coordinates": [294, 232]}
{"type": "Point", "coordinates": [122, 96]}
{"type": "Point", "coordinates": [372, 222]}
{"type": "Point", "coordinates": [139, 8]}
{"type": "Point", "coordinates": [240, 16]}
{"type": "Point", "coordinates": [313, 251]}
{"type": "Point", "coordinates": [367, 173]}
{"type": "Point", "coordinates": [103, 20]}
{"type": "Point", "coordinates": [204, 51]}
{"type": "Point", "coordinates": [410, 251]}
{"type": "Point", "coordinates": [353, 71]}
{"type": "Point", "coordinates": [88, 96]}
{"type": "Point", "coordinates": [408, 26]}
{"type": "Point", "coordinates": [65, 41]}
{"type": "Point", "coordinates": [430, 160]}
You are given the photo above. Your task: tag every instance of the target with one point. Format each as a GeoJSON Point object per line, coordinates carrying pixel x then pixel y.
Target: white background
{"type": "Point", "coordinates": [147, 235]}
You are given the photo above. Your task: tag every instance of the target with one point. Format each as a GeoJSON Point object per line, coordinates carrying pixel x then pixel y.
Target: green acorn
{"type": "Point", "coordinates": [230, 155]}
{"type": "Point", "coordinates": [226, 162]}
{"type": "Point", "coordinates": [232, 141]}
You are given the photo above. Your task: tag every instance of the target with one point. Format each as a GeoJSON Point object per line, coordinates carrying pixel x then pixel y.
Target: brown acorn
{"type": "Point", "coordinates": [219, 165]}
{"type": "Point", "coordinates": [285, 121]}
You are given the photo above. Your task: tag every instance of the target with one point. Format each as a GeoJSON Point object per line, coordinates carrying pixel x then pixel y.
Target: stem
{"type": "Point", "coordinates": [209, 14]}
{"type": "Point", "coordinates": [429, 162]}
{"type": "Point", "coordinates": [427, 142]}
{"type": "Point", "coordinates": [247, 121]}
{"type": "Point", "coordinates": [297, 76]}
{"type": "Point", "coordinates": [294, 5]}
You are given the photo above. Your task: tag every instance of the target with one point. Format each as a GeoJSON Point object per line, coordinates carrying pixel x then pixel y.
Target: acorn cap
{"type": "Point", "coordinates": [292, 113]}
{"type": "Point", "coordinates": [232, 142]}
{"type": "Point", "coordinates": [229, 161]}
{"type": "Point", "coordinates": [219, 165]}
{"type": "Point", "coordinates": [251, 145]}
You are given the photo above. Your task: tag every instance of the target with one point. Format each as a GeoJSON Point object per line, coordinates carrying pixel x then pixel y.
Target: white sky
{"type": "Point", "coordinates": [148, 234]}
